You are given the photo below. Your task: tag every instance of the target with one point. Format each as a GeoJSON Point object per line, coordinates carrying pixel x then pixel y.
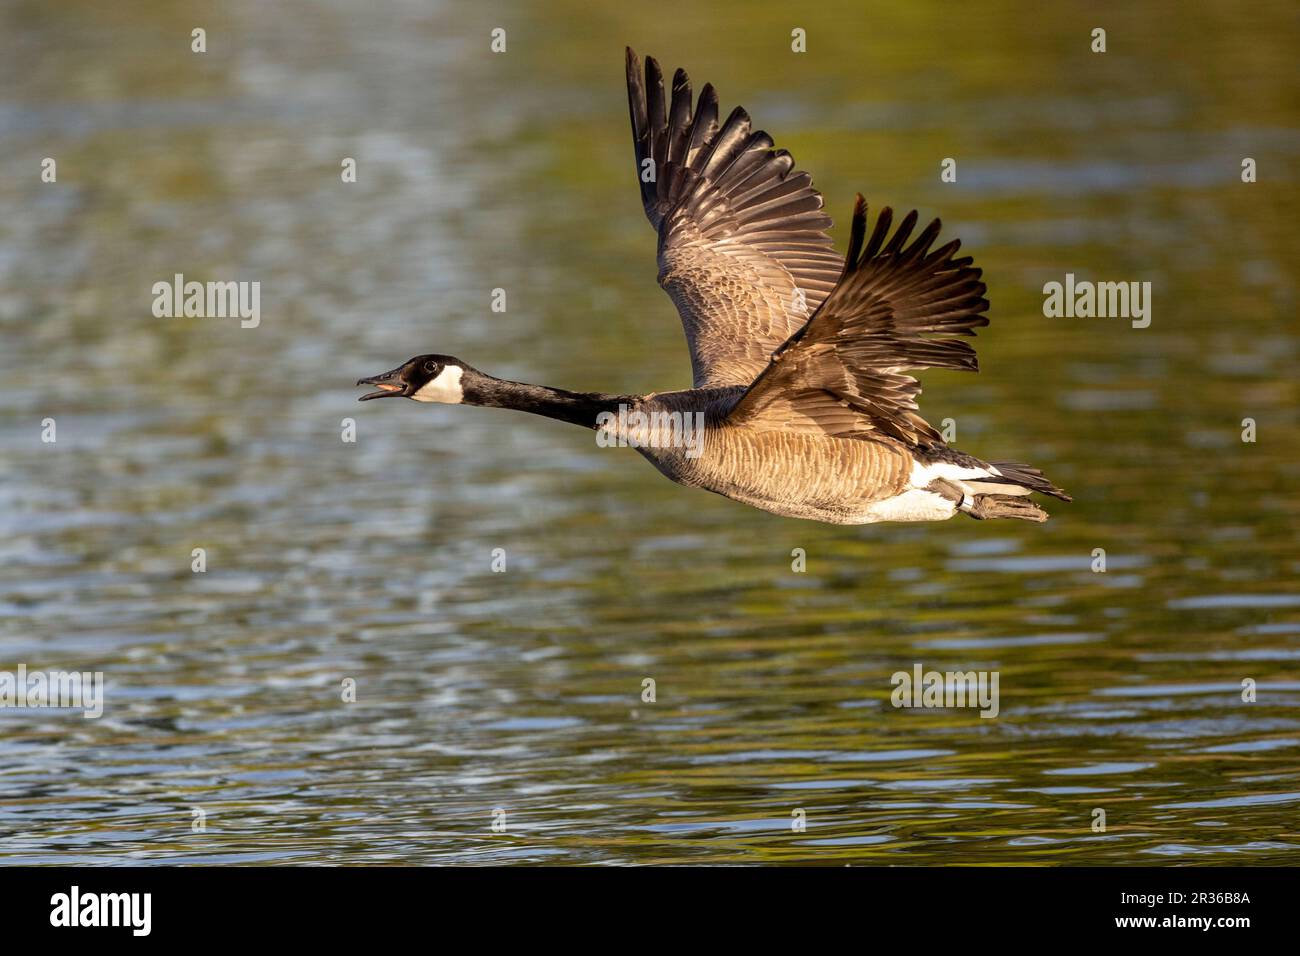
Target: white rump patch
{"type": "Point", "coordinates": [443, 387]}
{"type": "Point", "coordinates": [923, 474]}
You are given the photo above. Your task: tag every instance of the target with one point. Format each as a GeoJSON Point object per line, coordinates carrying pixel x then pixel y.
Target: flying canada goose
{"type": "Point", "coordinates": [800, 358]}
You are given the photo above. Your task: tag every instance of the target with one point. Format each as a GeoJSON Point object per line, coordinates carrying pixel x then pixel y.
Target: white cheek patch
{"type": "Point", "coordinates": [444, 387]}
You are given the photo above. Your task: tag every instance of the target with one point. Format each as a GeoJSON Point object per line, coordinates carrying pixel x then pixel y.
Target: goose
{"type": "Point", "coordinates": [801, 403]}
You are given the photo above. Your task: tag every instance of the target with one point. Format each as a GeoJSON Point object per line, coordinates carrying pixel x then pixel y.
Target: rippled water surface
{"type": "Point", "coordinates": [521, 691]}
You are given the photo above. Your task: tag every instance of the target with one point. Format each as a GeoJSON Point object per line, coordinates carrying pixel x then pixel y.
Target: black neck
{"type": "Point", "coordinates": [578, 408]}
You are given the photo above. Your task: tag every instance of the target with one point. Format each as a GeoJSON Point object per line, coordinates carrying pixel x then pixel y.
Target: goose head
{"type": "Point", "coordinates": [424, 378]}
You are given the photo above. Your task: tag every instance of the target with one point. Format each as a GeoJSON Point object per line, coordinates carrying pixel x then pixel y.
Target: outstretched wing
{"type": "Point", "coordinates": [893, 309]}
{"type": "Point", "coordinates": [743, 245]}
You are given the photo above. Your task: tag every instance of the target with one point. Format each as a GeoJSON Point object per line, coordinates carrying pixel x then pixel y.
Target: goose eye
{"type": "Point", "coordinates": [431, 366]}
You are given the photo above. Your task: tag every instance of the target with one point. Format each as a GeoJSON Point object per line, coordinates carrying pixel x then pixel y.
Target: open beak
{"type": "Point", "coordinates": [389, 385]}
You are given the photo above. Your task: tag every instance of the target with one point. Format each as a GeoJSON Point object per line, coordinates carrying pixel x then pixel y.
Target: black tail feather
{"type": "Point", "coordinates": [1027, 476]}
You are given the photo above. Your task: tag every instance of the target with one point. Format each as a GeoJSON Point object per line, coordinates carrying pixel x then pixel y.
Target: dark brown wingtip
{"type": "Point", "coordinates": [636, 104]}
{"type": "Point", "coordinates": [632, 66]}
{"type": "Point", "coordinates": [901, 234]}
{"type": "Point", "coordinates": [681, 80]}
{"type": "Point", "coordinates": [857, 230]}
